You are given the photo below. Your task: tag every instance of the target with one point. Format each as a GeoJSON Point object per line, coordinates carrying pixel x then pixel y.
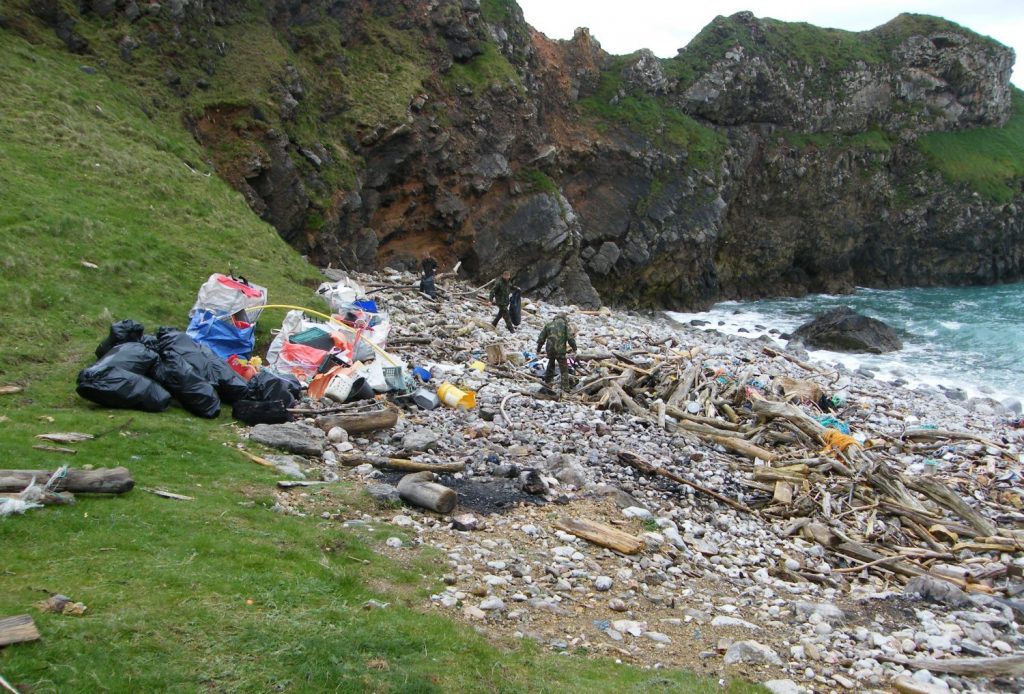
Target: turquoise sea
{"type": "Point", "coordinates": [966, 337]}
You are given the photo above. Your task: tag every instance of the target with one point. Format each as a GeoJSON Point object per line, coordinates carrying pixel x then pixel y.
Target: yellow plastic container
{"type": "Point", "coordinates": [453, 397]}
{"type": "Point", "coordinates": [478, 366]}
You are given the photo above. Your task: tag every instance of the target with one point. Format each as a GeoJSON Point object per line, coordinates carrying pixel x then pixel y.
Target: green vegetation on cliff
{"type": "Point", "coordinates": [218, 593]}
{"type": "Point", "coordinates": [827, 51]}
{"type": "Point", "coordinates": [482, 71]}
{"type": "Point", "coordinates": [651, 118]}
{"type": "Point", "coordinates": [989, 160]}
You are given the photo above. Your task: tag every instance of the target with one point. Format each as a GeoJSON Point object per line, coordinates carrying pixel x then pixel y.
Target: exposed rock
{"type": "Point", "coordinates": [783, 687]}
{"type": "Point", "coordinates": [936, 590]}
{"type": "Point", "coordinates": [288, 465]}
{"type": "Point", "coordinates": [844, 330]}
{"type": "Point", "coordinates": [465, 522]}
{"type": "Point", "coordinates": [419, 440]}
{"type": "Point", "coordinates": [826, 611]}
{"type": "Point", "coordinates": [384, 494]}
{"type": "Point", "coordinates": [644, 72]}
{"type": "Point", "coordinates": [294, 437]}
{"type": "Point", "coordinates": [751, 652]}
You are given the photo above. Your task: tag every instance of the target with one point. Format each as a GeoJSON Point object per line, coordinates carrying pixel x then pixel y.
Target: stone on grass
{"type": "Point", "coordinates": [384, 494]}
{"type": "Point", "coordinates": [294, 437]}
{"type": "Point", "coordinates": [287, 465]}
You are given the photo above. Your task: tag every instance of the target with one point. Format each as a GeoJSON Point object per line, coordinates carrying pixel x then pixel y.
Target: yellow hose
{"type": "Point", "coordinates": [341, 325]}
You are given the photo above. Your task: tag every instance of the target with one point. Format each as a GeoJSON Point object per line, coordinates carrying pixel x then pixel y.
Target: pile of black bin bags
{"type": "Point", "coordinates": [142, 372]}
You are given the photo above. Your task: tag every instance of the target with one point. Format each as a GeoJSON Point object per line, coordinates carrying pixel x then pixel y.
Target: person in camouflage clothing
{"type": "Point", "coordinates": [500, 295]}
{"type": "Point", "coordinates": [555, 337]}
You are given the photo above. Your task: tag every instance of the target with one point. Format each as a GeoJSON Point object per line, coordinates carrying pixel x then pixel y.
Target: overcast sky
{"type": "Point", "coordinates": [623, 26]}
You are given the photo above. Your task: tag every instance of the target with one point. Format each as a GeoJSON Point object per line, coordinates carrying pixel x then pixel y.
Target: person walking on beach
{"type": "Point", "coordinates": [427, 284]}
{"type": "Point", "coordinates": [500, 295]}
{"type": "Point", "coordinates": [556, 336]}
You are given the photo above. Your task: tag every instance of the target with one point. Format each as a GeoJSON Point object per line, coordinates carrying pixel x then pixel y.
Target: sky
{"type": "Point", "coordinates": [664, 26]}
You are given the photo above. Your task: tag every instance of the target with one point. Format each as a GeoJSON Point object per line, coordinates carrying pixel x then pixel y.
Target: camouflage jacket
{"type": "Point", "coordinates": [555, 335]}
{"type": "Point", "coordinates": [501, 291]}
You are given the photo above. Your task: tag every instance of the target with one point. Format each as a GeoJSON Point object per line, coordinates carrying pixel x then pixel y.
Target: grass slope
{"type": "Point", "coordinates": [217, 593]}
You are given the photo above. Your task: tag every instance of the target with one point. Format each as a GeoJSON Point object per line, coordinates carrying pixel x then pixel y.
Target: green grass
{"type": "Point", "coordinates": [874, 140]}
{"type": "Point", "coordinates": [482, 71]}
{"type": "Point", "coordinates": [989, 160]}
{"type": "Point", "coordinates": [86, 176]}
{"type": "Point", "coordinates": [651, 118]}
{"type": "Point", "coordinates": [536, 181]}
{"type": "Point", "coordinates": [496, 11]}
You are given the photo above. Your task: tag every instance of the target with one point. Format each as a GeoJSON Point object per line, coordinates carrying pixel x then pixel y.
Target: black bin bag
{"type": "Point", "coordinates": [120, 332]}
{"type": "Point", "coordinates": [119, 380]}
{"type": "Point", "coordinates": [253, 412]}
{"type": "Point", "coordinates": [229, 385]}
{"type": "Point", "coordinates": [190, 388]}
{"type": "Point", "coordinates": [270, 387]}
{"type": "Point", "coordinates": [515, 306]}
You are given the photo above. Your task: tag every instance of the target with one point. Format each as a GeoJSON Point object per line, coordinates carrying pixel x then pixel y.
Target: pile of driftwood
{"type": "Point", "coordinates": [850, 497]}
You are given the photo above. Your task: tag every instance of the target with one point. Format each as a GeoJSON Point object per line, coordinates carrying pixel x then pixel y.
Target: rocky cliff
{"type": "Point", "coordinates": [766, 158]}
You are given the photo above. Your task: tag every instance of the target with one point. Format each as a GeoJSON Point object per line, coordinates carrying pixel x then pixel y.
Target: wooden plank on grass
{"type": "Point", "coordinates": [18, 629]}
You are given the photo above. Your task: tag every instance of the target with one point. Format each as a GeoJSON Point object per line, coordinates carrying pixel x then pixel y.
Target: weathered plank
{"type": "Point", "coordinates": [359, 422]}
{"type": "Point", "coordinates": [18, 629]}
{"type": "Point", "coordinates": [600, 534]}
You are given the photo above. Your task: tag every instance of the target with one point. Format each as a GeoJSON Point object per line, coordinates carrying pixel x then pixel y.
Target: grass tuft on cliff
{"type": "Point", "coordinates": [218, 593]}
{"type": "Point", "coordinates": [650, 117]}
{"type": "Point", "coordinates": [989, 160]}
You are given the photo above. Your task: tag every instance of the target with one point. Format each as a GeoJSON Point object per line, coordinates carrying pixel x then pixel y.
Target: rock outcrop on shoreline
{"type": "Point", "coordinates": [757, 567]}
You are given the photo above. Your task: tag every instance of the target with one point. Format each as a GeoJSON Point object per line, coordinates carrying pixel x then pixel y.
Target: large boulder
{"type": "Point", "coordinates": [844, 330]}
{"type": "Point", "coordinates": [294, 437]}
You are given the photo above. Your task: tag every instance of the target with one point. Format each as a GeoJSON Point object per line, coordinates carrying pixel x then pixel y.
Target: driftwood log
{"type": "Point", "coordinates": [1010, 666]}
{"type": "Point", "coordinates": [744, 448]}
{"type": "Point", "coordinates": [601, 535]}
{"type": "Point", "coordinates": [116, 480]}
{"type": "Point", "coordinates": [353, 459]}
{"type": "Point", "coordinates": [419, 489]}
{"type": "Point", "coordinates": [643, 466]}
{"type": "Point", "coordinates": [359, 422]}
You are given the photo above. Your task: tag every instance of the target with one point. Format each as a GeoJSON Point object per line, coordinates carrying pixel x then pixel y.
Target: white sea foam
{"type": "Point", "coordinates": [922, 362]}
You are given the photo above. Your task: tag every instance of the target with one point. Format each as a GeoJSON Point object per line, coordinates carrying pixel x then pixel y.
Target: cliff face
{"type": "Point", "coordinates": [765, 159]}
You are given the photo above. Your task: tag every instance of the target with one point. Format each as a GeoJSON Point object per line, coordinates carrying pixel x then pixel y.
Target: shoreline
{"type": "Point", "coordinates": [893, 367]}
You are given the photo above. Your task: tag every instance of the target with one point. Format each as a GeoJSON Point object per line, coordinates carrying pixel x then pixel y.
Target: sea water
{"type": "Point", "coordinates": [964, 337]}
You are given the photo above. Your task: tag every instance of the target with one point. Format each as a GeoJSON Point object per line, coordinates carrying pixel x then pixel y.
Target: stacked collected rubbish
{"type": "Point", "coordinates": [199, 368]}
{"type": "Point", "coordinates": [339, 356]}
{"type": "Point", "coordinates": [225, 314]}
{"type": "Point", "coordinates": [143, 372]}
